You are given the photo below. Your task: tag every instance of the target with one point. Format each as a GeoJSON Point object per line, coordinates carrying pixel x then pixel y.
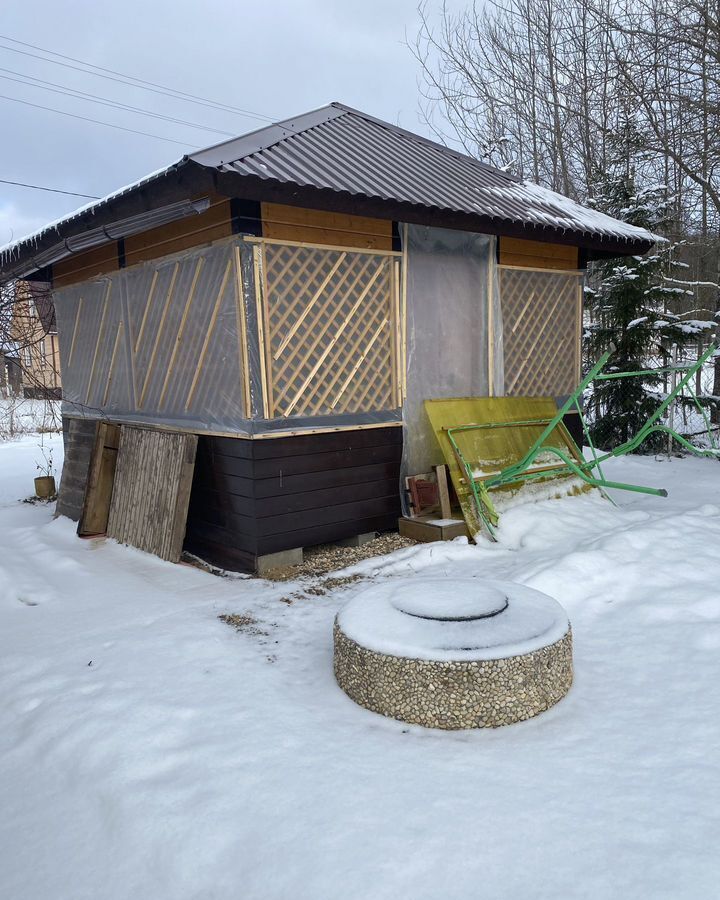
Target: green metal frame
{"type": "Point", "coordinates": [589, 471]}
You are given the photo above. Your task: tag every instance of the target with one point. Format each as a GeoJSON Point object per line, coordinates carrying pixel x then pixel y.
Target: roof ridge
{"type": "Point", "coordinates": [275, 132]}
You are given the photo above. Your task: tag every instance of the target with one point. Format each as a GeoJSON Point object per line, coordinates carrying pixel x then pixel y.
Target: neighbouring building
{"type": "Point", "coordinates": [34, 332]}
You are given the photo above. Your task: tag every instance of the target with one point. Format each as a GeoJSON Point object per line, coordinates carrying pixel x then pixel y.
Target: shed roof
{"type": "Point", "coordinates": [336, 154]}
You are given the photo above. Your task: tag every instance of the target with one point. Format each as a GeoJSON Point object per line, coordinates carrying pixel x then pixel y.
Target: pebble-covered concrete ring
{"type": "Point", "coordinates": [454, 653]}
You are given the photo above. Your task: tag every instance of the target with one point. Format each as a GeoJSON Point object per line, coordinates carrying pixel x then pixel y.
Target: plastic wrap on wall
{"type": "Point", "coordinates": [159, 342]}
{"type": "Point", "coordinates": [454, 330]}
{"type": "Point", "coordinates": [179, 342]}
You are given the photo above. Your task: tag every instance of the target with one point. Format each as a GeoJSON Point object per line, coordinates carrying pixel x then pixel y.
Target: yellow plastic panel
{"type": "Point", "coordinates": [489, 450]}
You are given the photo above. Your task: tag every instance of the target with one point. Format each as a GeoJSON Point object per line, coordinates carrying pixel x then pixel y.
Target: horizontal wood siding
{"type": "Point", "coordinates": [192, 231]}
{"type": "Point", "coordinates": [314, 226]}
{"type": "Point", "coordinates": [86, 266]}
{"type": "Point", "coordinates": [212, 225]}
{"type": "Point", "coordinates": [251, 498]}
{"type": "Point", "coordinates": [536, 254]}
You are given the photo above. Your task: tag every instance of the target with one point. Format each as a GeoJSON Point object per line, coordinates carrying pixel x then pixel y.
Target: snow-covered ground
{"type": "Point", "coordinates": [148, 750]}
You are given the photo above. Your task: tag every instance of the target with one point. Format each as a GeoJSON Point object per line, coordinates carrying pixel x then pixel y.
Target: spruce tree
{"type": "Point", "coordinates": [629, 309]}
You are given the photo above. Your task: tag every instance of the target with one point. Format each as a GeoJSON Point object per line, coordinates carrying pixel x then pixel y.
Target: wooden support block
{"type": "Point", "coordinates": [427, 529]}
{"type": "Point", "coordinates": [443, 492]}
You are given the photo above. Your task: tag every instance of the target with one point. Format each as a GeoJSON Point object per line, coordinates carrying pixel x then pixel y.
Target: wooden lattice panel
{"type": "Point", "coordinates": [541, 332]}
{"type": "Point", "coordinates": [331, 324]}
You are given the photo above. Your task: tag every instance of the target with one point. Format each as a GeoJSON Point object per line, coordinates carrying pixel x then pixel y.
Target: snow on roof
{"type": "Point", "coordinates": [569, 215]}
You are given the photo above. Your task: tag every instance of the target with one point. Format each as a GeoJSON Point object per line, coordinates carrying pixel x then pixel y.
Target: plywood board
{"type": "Point", "coordinates": [153, 478]}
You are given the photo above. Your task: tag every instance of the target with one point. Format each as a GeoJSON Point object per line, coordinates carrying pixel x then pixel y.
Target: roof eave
{"type": "Point", "coordinates": [178, 182]}
{"type": "Point", "coordinates": [252, 187]}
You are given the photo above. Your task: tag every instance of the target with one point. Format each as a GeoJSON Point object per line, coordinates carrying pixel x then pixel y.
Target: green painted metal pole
{"type": "Point", "coordinates": [553, 423]}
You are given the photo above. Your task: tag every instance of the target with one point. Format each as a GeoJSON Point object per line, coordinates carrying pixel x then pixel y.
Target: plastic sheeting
{"type": "Point", "coordinates": [156, 343]}
{"type": "Point", "coordinates": [176, 342]}
{"type": "Point", "coordinates": [454, 330]}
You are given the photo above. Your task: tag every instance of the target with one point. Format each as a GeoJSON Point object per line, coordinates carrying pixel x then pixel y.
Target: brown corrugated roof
{"type": "Point", "coordinates": [340, 152]}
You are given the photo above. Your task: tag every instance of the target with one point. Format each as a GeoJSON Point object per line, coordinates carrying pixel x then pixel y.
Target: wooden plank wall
{"type": "Point", "coordinates": [314, 226]}
{"type": "Point", "coordinates": [536, 254]}
{"type": "Point", "coordinates": [153, 478]}
{"type": "Point", "coordinates": [192, 231]}
{"type": "Point", "coordinates": [254, 497]}
{"type": "Point", "coordinates": [78, 440]}
{"type": "Point", "coordinates": [279, 222]}
{"type": "Point", "coordinates": [83, 266]}
{"type": "Point", "coordinates": [174, 237]}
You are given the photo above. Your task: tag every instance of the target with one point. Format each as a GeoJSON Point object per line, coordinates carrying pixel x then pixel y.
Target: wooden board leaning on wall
{"type": "Point", "coordinates": [537, 254]}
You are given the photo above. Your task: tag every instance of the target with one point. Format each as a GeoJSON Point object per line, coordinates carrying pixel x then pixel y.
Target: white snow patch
{"type": "Point", "coordinates": [149, 750]}
{"type": "Point", "coordinates": [391, 619]}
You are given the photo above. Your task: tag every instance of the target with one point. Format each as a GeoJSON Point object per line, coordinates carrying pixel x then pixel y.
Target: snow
{"type": "Point", "coordinates": [22, 415]}
{"type": "Point", "coordinates": [566, 214]}
{"type": "Point", "coordinates": [149, 750]}
{"type": "Point", "coordinates": [390, 618]}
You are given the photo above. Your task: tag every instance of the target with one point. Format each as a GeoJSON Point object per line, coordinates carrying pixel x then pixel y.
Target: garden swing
{"type": "Point", "coordinates": [503, 444]}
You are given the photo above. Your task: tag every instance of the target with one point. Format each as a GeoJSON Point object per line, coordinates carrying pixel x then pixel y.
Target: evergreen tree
{"type": "Point", "coordinates": [630, 310]}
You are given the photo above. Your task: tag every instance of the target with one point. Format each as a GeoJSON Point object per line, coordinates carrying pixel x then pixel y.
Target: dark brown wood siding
{"type": "Point", "coordinates": [254, 497]}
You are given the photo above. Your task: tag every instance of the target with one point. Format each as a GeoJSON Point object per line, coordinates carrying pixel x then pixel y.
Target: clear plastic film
{"type": "Point", "coordinates": [191, 342]}
{"type": "Point", "coordinates": [158, 342]}
{"type": "Point", "coordinates": [454, 330]}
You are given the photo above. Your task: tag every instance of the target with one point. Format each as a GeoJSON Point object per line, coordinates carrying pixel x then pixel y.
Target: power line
{"type": "Point", "coordinates": [129, 79]}
{"type": "Point", "coordinates": [104, 101]}
{"type": "Point", "coordinates": [36, 187]}
{"type": "Point", "coordinates": [94, 121]}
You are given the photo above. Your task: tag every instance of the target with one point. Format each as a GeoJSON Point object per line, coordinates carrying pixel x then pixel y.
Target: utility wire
{"type": "Point", "coordinates": [95, 121]}
{"type": "Point", "coordinates": [104, 101]}
{"type": "Point", "coordinates": [129, 80]}
{"type": "Point", "coordinates": [36, 187]}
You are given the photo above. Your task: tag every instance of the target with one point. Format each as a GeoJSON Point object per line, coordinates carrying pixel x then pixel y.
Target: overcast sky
{"type": "Point", "coordinates": [274, 57]}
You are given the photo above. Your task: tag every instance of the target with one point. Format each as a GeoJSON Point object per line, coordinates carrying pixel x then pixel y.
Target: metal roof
{"type": "Point", "coordinates": [340, 151]}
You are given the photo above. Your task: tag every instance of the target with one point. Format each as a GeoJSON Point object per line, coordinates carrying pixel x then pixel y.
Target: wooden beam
{"type": "Point", "coordinates": [261, 331]}
{"type": "Point", "coordinates": [161, 325]}
{"type": "Point", "coordinates": [241, 318]}
{"type": "Point", "coordinates": [181, 330]}
{"type": "Point", "coordinates": [101, 332]}
{"type": "Point", "coordinates": [252, 239]}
